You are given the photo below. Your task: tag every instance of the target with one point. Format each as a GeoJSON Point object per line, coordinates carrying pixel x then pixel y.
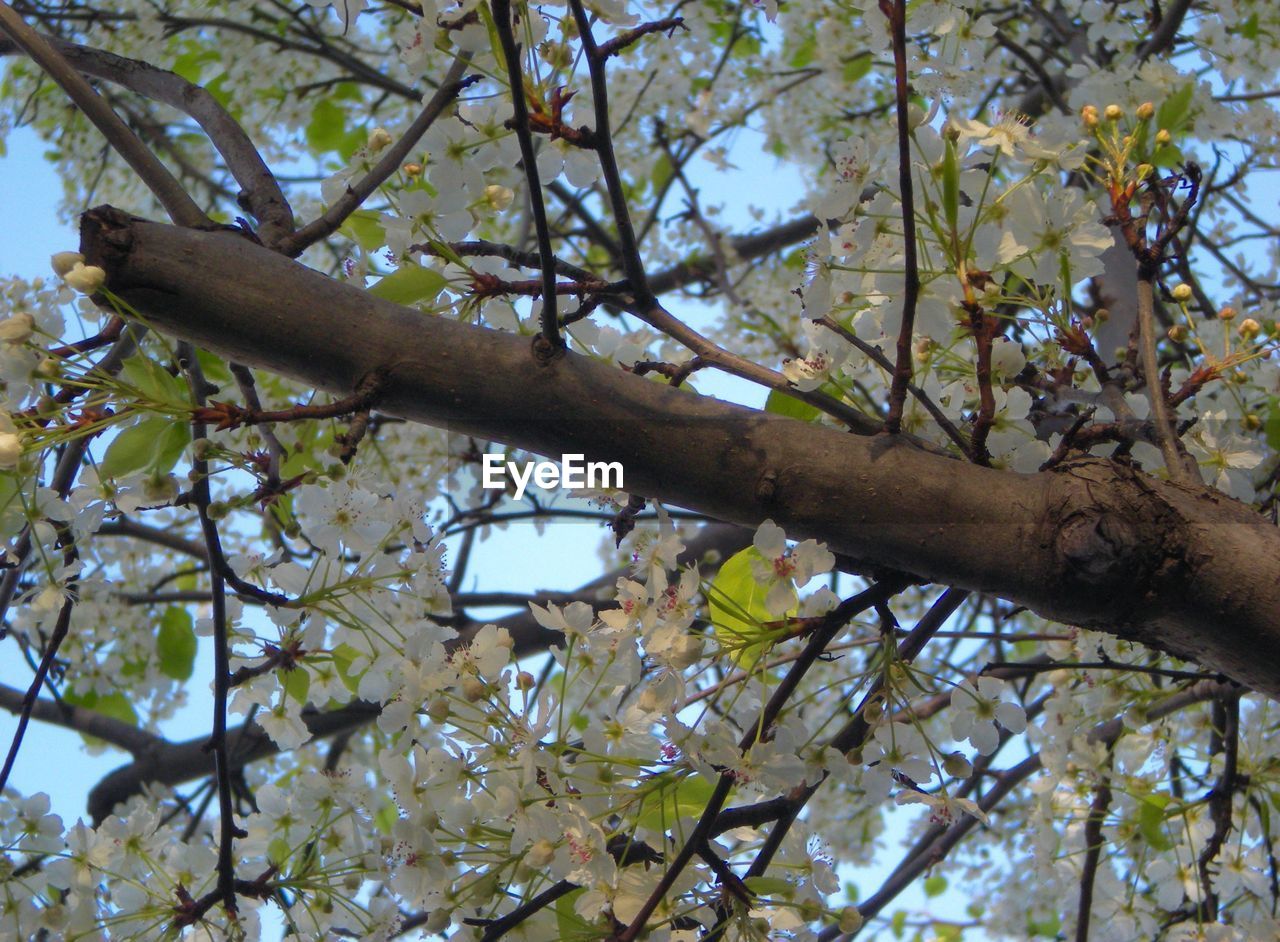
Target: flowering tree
{"type": "Point", "coordinates": [996, 565]}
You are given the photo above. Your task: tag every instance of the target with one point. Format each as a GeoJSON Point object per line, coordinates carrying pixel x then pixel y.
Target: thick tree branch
{"type": "Point", "coordinates": [1093, 543]}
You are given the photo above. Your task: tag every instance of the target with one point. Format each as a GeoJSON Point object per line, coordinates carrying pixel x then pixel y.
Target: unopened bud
{"type": "Point", "coordinates": [1252, 422]}
{"type": "Point", "coordinates": [1182, 293]}
{"type": "Point", "coordinates": [473, 688]}
{"type": "Point", "coordinates": [1249, 328]}
{"type": "Point", "coordinates": [1225, 313]}
{"type": "Point", "coordinates": [379, 139]}
{"type": "Point", "coordinates": [1177, 333]}
{"type": "Point", "coordinates": [438, 710]}
{"type": "Point", "coordinates": [412, 170]}
{"type": "Point", "coordinates": [1090, 115]}
{"type": "Point", "coordinates": [957, 765]}
{"type": "Point", "coordinates": [525, 681]}
{"type": "Point", "coordinates": [1163, 137]}
{"type": "Point", "coordinates": [1146, 111]}
{"type": "Point", "coordinates": [1113, 112]}
{"type": "Point", "coordinates": [498, 197]}
{"type": "Point", "coordinates": [18, 328]}
{"type": "Point", "coordinates": [63, 262]}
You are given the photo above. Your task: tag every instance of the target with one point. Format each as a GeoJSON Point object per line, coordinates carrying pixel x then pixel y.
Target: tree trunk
{"type": "Point", "coordinates": [1092, 543]}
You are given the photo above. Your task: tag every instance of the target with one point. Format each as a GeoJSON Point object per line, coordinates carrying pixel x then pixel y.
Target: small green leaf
{"type": "Point", "coordinates": [155, 383]}
{"type": "Point", "coordinates": [176, 643]}
{"type": "Point", "coordinates": [364, 228]}
{"type": "Point", "coordinates": [770, 887]}
{"type": "Point", "coordinates": [344, 655]}
{"type": "Point", "coordinates": [326, 130]}
{"type": "Point", "coordinates": [857, 67]}
{"type": "Point", "coordinates": [805, 51]}
{"type": "Point", "coordinates": [385, 818]}
{"type": "Point", "coordinates": [935, 886]}
{"type": "Point", "coordinates": [143, 446]}
{"type": "Point", "coordinates": [737, 604]}
{"type": "Point", "coordinates": [1151, 821]}
{"type": "Point", "coordinates": [569, 925]}
{"type": "Point", "coordinates": [951, 185]}
{"type": "Point", "coordinates": [779, 403]}
{"type": "Point", "coordinates": [669, 800]}
{"type": "Point", "coordinates": [278, 852]}
{"type": "Point", "coordinates": [409, 284]}
{"type": "Point", "coordinates": [1174, 111]}
{"type": "Point", "coordinates": [661, 172]}
{"type": "Point", "coordinates": [114, 705]}
{"type": "Point", "coordinates": [297, 683]}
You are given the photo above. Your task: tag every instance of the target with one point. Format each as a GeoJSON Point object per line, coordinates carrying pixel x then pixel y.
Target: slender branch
{"type": "Point", "coordinates": [520, 109]}
{"type": "Point", "coordinates": [261, 191]}
{"type": "Point", "coordinates": [1093, 842]}
{"type": "Point", "coordinates": [896, 11]}
{"type": "Point", "coordinates": [390, 162]}
{"type": "Point", "coordinates": [175, 200]}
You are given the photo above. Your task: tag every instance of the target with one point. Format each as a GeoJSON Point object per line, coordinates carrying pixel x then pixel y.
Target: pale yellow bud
{"type": "Point", "coordinates": [1113, 112]}
{"type": "Point", "coordinates": [1163, 137]}
{"type": "Point", "coordinates": [473, 688]}
{"type": "Point", "coordinates": [1249, 328]}
{"type": "Point", "coordinates": [498, 197]}
{"type": "Point", "coordinates": [1182, 293]}
{"type": "Point", "coordinates": [540, 854]}
{"type": "Point", "coordinates": [1146, 111]}
{"type": "Point", "coordinates": [10, 449]}
{"type": "Point", "coordinates": [1226, 313]}
{"type": "Point", "coordinates": [379, 139]}
{"type": "Point", "coordinates": [412, 170]}
{"type": "Point", "coordinates": [1090, 115]}
{"type": "Point", "coordinates": [17, 329]}
{"type": "Point", "coordinates": [1177, 333]}
{"type": "Point", "coordinates": [850, 920]}
{"type": "Point", "coordinates": [957, 766]}
{"type": "Point", "coordinates": [63, 262]}
{"type": "Point", "coordinates": [86, 279]}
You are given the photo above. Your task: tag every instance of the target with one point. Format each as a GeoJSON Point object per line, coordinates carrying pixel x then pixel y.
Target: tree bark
{"type": "Point", "coordinates": [1093, 543]}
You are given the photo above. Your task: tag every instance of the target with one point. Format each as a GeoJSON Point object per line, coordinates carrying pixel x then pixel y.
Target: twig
{"type": "Point", "coordinates": [896, 11]}
{"type": "Point", "coordinates": [520, 108]}
{"type": "Point", "coordinates": [1093, 849]}
{"type": "Point", "coordinates": [357, 193]}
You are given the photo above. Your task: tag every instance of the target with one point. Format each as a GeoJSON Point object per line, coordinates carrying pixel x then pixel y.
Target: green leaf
{"type": "Point", "coordinates": [670, 800]}
{"type": "Point", "coordinates": [1174, 111]}
{"type": "Point", "coordinates": [364, 228]}
{"type": "Point", "coordinates": [278, 852]}
{"type": "Point", "coordinates": [176, 643]}
{"type": "Point", "coordinates": [857, 67]}
{"type": "Point", "coordinates": [215, 368]}
{"type": "Point", "coordinates": [385, 818]}
{"type": "Point", "coordinates": [779, 403]}
{"type": "Point", "coordinates": [114, 705]}
{"type": "Point", "coordinates": [661, 172]}
{"type": "Point", "coordinates": [326, 131]}
{"type": "Point", "coordinates": [155, 444]}
{"type": "Point", "coordinates": [951, 185]}
{"type": "Point", "coordinates": [898, 924]}
{"type": "Point", "coordinates": [297, 683]}
{"type": "Point", "coordinates": [1151, 818]}
{"type": "Point", "coordinates": [804, 52]}
{"type": "Point", "coordinates": [409, 284]}
{"type": "Point", "coordinates": [737, 604]}
{"type": "Point", "coordinates": [570, 926]}
{"type": "Point", "coordinates": [770, 887]}
{"type": "Point", "coordinates": [344, 655]}
{"type": "Point", "coordinates": [935, 886]}
{"type": "Point", "coordinates": [155, 383]}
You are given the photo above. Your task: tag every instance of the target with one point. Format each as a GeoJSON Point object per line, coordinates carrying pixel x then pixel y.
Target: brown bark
{"type": "Point", "coordinates": [1092, 543]}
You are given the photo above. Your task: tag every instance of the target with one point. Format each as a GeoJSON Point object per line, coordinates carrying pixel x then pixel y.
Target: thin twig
{"type": "Point", "coordinates": [520, 120]}
{"type": "Point", "coordinates": [896, 11]}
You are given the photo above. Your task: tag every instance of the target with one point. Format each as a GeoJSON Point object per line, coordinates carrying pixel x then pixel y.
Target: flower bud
{"type": "Point", "coordinates": [1252, 422]}
{"type": "Point", "coordinates": [525, 681]}
{"type": "Point", "coordinates": [1113, 112]}
{"type": "Point", "coordinates": [1225, 313]}
{"type": "Point", "coordinates": [850, 920]}
{"type": "Point", "coordinates": [1182, 293]}
{"type": "Point", "coordinates": [86, 279]}
{"type": "Point", "coordinates": [1163, 137]}
{"type": "Point", "coordinates": [18, 328]}
{"type": "Point", "coordinates": [63, 262]}
{"type": "Point", "coordinates": [1177, 333]}
{"type": "Point", "coordinates": [540, 854]}
{"type": "Point", "coordinates": [473, 688]}
{"type": "Point", "coordinates": [379, 139]}
{"type": "Point", "coordinates": [498, 197]}
{"type": "Point", "coordinates": [1090, 115]}
{"type": "Point", "coordinates": [412, 170]}
{"type": "Point", "coordinates": [957, 765]}
{"type": "Point", "coordinates": [1146, 111]}
{"type": "Point", "coordinates": [1249, 328]}
{"type": "Point", "coordinates": [438, 710]}
{"type": "Point", "coordinates": [10, 449]}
